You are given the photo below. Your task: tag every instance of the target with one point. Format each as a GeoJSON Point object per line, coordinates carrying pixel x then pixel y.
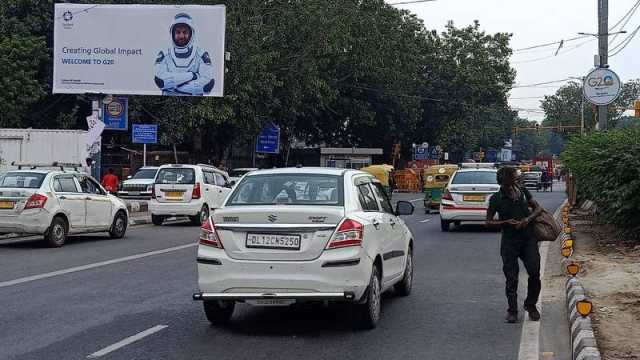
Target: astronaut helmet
{"type": "Point", "coordinates": [185, 20]}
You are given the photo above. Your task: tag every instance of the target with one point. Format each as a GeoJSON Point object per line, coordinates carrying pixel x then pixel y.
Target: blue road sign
{"type": "Point", "coordinates": [422, 153]}
{"type": "Point", "coordinates": [268, 141]}
{"type": "Point", "coordinates": [115, 114]}
{"type": "Point", "coordinates": [144, 133]}
{"type": "Point", "coordinates": [433, 153]}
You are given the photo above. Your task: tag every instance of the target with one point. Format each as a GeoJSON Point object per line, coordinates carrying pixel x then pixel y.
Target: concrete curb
{"type": "Point", "coordinates": [583, 341]}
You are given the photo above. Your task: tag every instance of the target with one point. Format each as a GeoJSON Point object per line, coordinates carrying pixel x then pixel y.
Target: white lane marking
{"type": "Point", "coordinates": [92, 266]}
{"type": "Point", "coordinates": [530, 340]}
{"type": "Point", "coordinates": [425, 220]}
{"type": "Point", "coordinates": [126, 341]}
{"type": "Point", "coordinates": [414, 200]}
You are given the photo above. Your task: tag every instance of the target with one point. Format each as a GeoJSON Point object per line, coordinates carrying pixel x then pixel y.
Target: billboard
{"type": "Point", "coordinates": [175, 50]}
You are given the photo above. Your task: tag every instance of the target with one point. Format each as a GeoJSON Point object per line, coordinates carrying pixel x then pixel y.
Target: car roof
{"type": "Point", "coordinates": [477, 170]}
{"type": "Point", "coordinates": [149, 168]}
{"type": "Point", "coordinates": [43, 171]}
{"type": "Point", "coordinates": [305, 170]}
{"type": "Point", "coordinates": [243, 169]}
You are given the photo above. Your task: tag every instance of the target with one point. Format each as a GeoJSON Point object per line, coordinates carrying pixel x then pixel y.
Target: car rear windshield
{"type": "Point", "coordinates": [475, 177]}
{"type": "Point", "coordinates": [23, 180]}
{"type": "Point", "coordinates": [288, 189]}
{"type": "Point", "coordinates": [145, 174]}
{"type": "Point", "coordinates": [176, 176]}
{"type": "Point", "coordinates": [238, 173]}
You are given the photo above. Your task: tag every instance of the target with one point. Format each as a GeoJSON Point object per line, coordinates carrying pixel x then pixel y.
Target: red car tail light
{"type": "Point", "coordinates": [153, 191]}
{"type": "Point", "coordinates": [348, 234]}
{"type": "Point", "coordinates": [195, 194]}
{"type": "Point", "coordinates": [36, 201]}
{"type": "Point", "coordinates": [447, 196]}
{"type": "Point", "coordinates": [209, 235]}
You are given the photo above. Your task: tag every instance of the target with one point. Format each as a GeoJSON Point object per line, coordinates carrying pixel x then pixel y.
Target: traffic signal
{"type": "Point", "coordinates": [538, 128]}
{"type": "Point", "coordinates": [637, 108]}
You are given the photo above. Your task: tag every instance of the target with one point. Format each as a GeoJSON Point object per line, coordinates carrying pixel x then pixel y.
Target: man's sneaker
{"type": "Point", "coordinates": [512, 317]}
{"type": "Point", "coordinates": [534, 314]}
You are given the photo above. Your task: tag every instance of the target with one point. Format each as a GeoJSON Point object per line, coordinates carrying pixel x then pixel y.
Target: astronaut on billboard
{"type": "Point", "coordinates": [184, 69]}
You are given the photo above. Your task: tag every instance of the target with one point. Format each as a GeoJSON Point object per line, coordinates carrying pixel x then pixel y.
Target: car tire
{"type": "Point", "coordinates": [445, 225]}
{"type": "Point", "coordinates": [367, 314]}
{"type": "Point", "coordinates": [403, 288]}
{"type": "Point", "coordinates": [157, 219]}
{"type": "Point", "coordinates": [201, 217]}
{"type": "Point", "coordinates": [219, 312]}
{"type": "Point", "coordinates": [119, 225]}
{"type": "Point", "coordinates": [56, 235]}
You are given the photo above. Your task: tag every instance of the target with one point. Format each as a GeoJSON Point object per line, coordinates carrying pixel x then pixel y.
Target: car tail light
{"type": "Point", "coordinates": [195, 194]}
{"type": "Point", "coordinates": [209, 235]}
{"type": "Point", "coordinates": [447, 196]}
{"type": "Point", "coordinates": [153, 191]}
{"type": "Point", "coordinates": [348, 234]}
{"type": "Point", "coordinates": [36, 201]}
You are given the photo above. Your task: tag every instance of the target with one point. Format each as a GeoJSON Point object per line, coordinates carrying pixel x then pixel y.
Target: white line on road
{"type": "Point", "coordinates": [425, 220]}
{"type": "Point", "coordinates": [414, 200]}
{"type": "Point", "coordinates": [92, 266]}
{"type": "Point", "coordinates": [127, 341]}
{"type": "Point", "coordinates": [530, 340]}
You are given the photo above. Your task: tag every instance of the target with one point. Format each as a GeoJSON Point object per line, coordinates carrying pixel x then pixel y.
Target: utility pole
{"type": "Point", "coordinates": [603, 52]}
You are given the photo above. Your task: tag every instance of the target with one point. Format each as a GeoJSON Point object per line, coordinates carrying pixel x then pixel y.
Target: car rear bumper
{"type": "Point", "coordinates": [134, 194]}
{"type": "Point", "coordinates": [175, 209]}
{"type": "Point", "coordinates": [34, 221]}
{"type": "Point", "coordinates": [339, 274]}
{"type": "Point", "coordinates": [462, 213]}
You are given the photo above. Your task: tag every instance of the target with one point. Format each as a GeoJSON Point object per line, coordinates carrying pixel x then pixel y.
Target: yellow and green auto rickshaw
{"type": "Point", "coordinates": [383, 173]}
{"type": "Point", "coordinates": [436, 179]}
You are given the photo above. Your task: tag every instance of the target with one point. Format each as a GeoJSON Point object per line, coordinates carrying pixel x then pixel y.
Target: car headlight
{"type": "Point", "coordinates": [149, 187]}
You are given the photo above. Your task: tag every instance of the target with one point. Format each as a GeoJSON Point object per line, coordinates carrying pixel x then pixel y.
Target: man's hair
{"type": "Point", "coordinates": [89, 160]}
{"type": "Point", "coordinates": [504, 172]}
{"type": "Point", "coordinates": [110, 170]}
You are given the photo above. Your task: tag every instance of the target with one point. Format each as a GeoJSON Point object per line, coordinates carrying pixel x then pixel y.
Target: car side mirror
{"type": "Point", "coordinates": [404, 208]}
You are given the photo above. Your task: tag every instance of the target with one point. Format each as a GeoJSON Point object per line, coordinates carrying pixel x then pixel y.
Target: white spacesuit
{"type": "Point", "coordinates": [184, 69]}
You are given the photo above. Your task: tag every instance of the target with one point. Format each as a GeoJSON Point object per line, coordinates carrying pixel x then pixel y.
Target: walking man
{"type": "Point", "coordinates": [110, 181]}
{"type": "Point", "coordinates": [516, 209]}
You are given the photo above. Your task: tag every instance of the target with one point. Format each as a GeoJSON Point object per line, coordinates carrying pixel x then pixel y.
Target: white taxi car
{"type": "Point", "coordinates": [305, 234]}
{"type": "Point", "coordinates": [466, 197]}
{"type": "Point", "coordinates": [188, 190]}
{"type": "Point", "coordinates": [56, 203]}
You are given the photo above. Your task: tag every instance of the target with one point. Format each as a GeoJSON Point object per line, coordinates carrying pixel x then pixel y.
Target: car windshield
{"type": "Point", "coordinates": [145, 174]}
{"type": "Point", "coordinates": [475, 177]}
{"type": "Point", "coordinates": [23, 180]}
{"type": "Point", "coordinates": [176, 176]}
{"type": "Point", "coordinates": [288, 189]}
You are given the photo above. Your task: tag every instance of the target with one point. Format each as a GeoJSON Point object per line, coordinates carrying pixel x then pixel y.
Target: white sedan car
{"type": "Point", "coordinates": [305, 234]}
{"type": "Point", "coordinates": [57, 203]}
{"type": "Point", "coordinates": [466, 197]}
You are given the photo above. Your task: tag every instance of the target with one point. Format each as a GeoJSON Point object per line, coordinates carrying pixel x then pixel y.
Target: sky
{"type": "Point", "coordinates": [539, 22]}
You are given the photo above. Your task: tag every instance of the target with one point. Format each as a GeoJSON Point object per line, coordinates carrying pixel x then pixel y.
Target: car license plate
{"type": "Point", "coordinates": [174, 195]}
{"type": "Point", "coordinates": [134, 193]}
{"type": "Point", "coordinates": [271, 302]}
{"type": "Point", "coordinates": [7, 204]}
{"type": "Point", "coordinates": [273, 241]}
{"type": "Point", "coordinates": [475, 198]}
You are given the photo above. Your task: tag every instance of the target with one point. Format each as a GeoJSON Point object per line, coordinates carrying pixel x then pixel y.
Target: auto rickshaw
{"type": "Point", "coordinates": [436, 179]}
{"type": "Point", "coordinates": [382, 173]}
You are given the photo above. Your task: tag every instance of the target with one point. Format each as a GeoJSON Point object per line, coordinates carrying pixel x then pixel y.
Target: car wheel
{"type": "Point", "coordinates": [119, 226]}
{"type": "Point", "coordinates": [201, 217]}
{"type": "Point", "coordinates": [444, 225]}
{"type": "Point", "coordinates": [403, 288]}
{"type": "Point", "coordinates": [157, 219]}
{"type": "Point", "coordinates": [367, 315]}
{"type": "Point", "coordinates": [56, 235]}
{"type": "Point", "coordinates": [219, 312]}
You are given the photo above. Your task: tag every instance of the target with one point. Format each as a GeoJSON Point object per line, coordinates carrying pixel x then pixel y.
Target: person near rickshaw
{"type": "Point", "coordinates": [545, 179]}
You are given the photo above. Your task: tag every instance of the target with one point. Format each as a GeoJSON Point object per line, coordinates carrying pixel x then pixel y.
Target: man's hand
{"type": "Point", "coordinates": [512, 222]}
{"type": "Point", "coordinates": [523, 223]}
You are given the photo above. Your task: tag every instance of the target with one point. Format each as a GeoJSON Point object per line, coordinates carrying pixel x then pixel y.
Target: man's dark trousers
{"type": "Point", "coordinates": [524, 247]}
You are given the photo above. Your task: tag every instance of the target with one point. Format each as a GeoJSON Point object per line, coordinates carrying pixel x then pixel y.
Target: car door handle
{"type": "Point", "coordinates": [375, 223]}
{"type": "Point", "coordinates": [62, 198]}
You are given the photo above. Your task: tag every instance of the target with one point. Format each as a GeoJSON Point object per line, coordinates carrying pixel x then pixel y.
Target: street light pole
{"type": "Point", "coordinates": [603, 53]}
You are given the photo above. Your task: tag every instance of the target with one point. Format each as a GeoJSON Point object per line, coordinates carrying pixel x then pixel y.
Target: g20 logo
{"type": "Point", "coordinates": [598, 81]}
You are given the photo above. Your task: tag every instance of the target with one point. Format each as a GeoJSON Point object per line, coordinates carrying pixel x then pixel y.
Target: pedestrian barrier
{"type": "Point", "coordinates": [407, 181]}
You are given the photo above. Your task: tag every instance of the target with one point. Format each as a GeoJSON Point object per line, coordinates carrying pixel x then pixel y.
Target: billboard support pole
{"type": "Point", "coordinates": [144, 154]}
{"type": "Point", "coordinates": [96, 106]}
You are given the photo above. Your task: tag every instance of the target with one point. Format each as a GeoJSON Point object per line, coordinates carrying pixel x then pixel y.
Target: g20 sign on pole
{"type": "Point", "coordinates": [601, 87]}
{"type": "Point", "coordinates": [139, 49]}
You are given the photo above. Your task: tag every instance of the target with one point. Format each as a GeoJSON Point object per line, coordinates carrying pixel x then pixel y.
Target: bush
{"type": "Point", "coordinates": [606, 167]}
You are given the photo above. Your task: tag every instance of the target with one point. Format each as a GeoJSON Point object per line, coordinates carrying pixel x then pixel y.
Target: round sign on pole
{"type": "Point", "coordinates": [601, 87]}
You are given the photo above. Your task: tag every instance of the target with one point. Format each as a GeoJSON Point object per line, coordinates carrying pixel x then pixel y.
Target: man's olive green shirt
{"type": "Point", "coordinates": [511, 209]}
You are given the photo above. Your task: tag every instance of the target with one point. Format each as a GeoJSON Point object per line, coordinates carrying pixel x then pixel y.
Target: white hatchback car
{"type": "Point", "coordinates": [56, 203]}
{"type": "Point", "coordinates": [188, 190]}
{"type": "Point", "coordinates": [466, 197]}
{"type": "Point", "coordinates": [305, 234]}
